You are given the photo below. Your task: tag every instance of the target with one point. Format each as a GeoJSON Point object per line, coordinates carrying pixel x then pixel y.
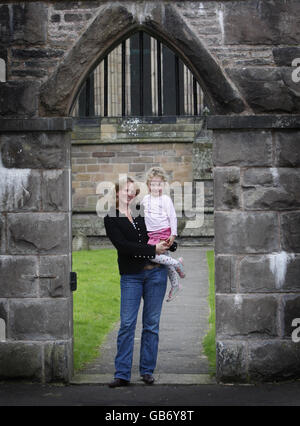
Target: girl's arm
{"type": "Point", "coordinates": [172, 216]}
{"type": "Point", "coordinates": [173, 220]}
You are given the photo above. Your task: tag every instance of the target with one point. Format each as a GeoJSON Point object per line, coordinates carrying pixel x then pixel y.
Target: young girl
{"type": "Point", "coordinates": [161, 223]}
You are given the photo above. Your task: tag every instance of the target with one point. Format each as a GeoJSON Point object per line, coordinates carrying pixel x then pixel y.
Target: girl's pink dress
{"type": "Point", "coordinates": [156, 236]}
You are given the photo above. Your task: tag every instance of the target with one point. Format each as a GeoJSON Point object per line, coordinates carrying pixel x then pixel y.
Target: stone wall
{"type": "Point", "coordinates": [250, 51]}
{"type": "Point", "coordinates": [35, 260]}
{"type": "Point", "coordinates": [256, 180]}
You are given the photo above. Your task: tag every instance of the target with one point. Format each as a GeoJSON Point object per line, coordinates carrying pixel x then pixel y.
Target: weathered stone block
{"type": "Point", "coordinates": [284, 56]}
{"type": "Point", "coordinates": [54, 276]}
{"type": "Point", "coordinates": [20, 190]}
{"type": "Point", "coordinates": [267, 89]}
{"type": "Point", "coordinates": [42, 319]}
{"type": "Point", "coordinates": [225, 274]}
{"type": "Point", "coordinates": [42, 233]}
{"type": "Point", "coordinates": [55, 190]}
{"type": "Point", "coordinates": [209, 193]}
{"type": "Point", "coordinates": [37, 13]}
{"type": "Point", "coordinates": [242, 315]}
{"type": "Point", "coordinates": [35, 150]}
{"type": "Point", "coordinates": [16, 23]}
{"type": "Point", "coordinates": [261, 22]}
{"type": "Point", "coordinates": [227, 188]}
{"type": "Point", "coordinates": [19, 99]}
{"type": "Point", "coordinates": [290, 231]}
{"type": "Point", "coordinates": [287, 152]}
{"type": "Point", "coordinates": [91, 225]}
{"type": "Point", "coordinates": [269, 273]}
{"type": "Point", "coordinates": [58, 357]}
{"type": "Point", "coordinates": [36, 53]}
{"type": "Point", "coordinates": [290, 311]}
{"type": "Point", "coordinates": [21, 361]}
{"type": "Point", "coordinates": [238, 148]}
{"type": "Point", "coordinates": [12, 20]}
{"type": "Point", "coordinates": [19, 276]}
{"type": "Point", "coordinates": [255, 275]}
{"type": "Point", "coordinates": [231, 361]}
{"type": "Point", "coordinates": [273, 360]}
{"type": "Point", "coordinates": [202, 160]}
{"type": "Point", "coordinates": [200, 225]}
{"type": "Point", "coordinates": [242, 232]}
{"type": "Point", "coordinates": [271, 189]}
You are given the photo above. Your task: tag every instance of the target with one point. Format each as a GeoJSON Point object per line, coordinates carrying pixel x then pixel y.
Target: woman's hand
{"type": "Point", "coordinates": [161, 247]}
{"type": "Point", "coordinates": [171, 240]}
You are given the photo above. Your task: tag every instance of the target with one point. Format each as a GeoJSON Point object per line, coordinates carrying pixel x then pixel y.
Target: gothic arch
{"type": "Point", "coordinates": [115, 22]}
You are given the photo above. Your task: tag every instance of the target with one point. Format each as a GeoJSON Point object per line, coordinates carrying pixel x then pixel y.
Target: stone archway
{"type": "Point", "coordinates": [257, 198]}
{"type": "Point", "coordinates": [248, 319]}
{"type": "Point", "coordinates": [116, 22]}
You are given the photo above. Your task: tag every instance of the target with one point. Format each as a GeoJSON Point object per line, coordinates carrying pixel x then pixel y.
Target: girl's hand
{"type": "Point", "coordinates": [170, 240]}
{"type": "Point", "coordinates": [161, 247]}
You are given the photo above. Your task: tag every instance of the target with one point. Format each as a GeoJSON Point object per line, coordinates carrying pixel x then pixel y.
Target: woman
{"type": "Point", "coordinates": [139, 279]}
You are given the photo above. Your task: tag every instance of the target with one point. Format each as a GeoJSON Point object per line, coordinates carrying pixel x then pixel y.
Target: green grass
{"type": "Point", "coordinates": [96, 301]}
{"type": "Point", "coordinates": [209, 341]}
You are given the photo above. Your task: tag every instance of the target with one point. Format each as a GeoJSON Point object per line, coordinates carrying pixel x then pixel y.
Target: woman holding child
{"type": "Point", "coordinates": [144, 269]}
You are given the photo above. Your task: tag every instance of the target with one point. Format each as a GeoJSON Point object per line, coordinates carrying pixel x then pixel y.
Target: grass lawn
{"type": "Point", "coordinates": [209, 341]}
{"type": "Point", "coordinates": [96, 301]}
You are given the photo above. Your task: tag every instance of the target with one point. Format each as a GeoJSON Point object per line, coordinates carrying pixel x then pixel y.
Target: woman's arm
{"type": "Point", "coordinates": [124, 246]}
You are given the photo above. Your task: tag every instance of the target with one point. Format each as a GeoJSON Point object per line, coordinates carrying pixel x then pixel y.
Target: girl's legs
{"type": "Point", "coordinates": [173, 276]}
{"type": "Point", "coordinates": [166, 259]}
{"type": "Point", "coordinates": [175, 286]}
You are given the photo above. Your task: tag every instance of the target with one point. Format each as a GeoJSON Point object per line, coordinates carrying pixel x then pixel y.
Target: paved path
{"type": "Point", "coordinates": [184, 323]}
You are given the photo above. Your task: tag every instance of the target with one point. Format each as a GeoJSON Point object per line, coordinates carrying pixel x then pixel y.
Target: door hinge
{"type": "Point", "coordinates": [73, 281]}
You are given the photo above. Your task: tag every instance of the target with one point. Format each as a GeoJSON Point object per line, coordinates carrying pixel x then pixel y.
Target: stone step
{"type": "Point", "coordinates": [160, 379]}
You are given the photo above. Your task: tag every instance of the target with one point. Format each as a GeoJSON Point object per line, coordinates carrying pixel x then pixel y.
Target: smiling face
{"type": "Point", "coordinates": [126, 194]}
{"type": "Point", "coordinates": [156, 186]}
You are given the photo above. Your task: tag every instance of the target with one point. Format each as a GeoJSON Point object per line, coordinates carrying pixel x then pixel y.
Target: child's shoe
{"type": "Point", "coordinates": [174, 292]}
{"type": "Point", "coordinates": [179, 269]}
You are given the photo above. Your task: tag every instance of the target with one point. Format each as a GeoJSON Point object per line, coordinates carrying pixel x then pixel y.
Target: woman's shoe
{"type": "Point", "coordinates": [116, 383]}
{"type": "Point", "coordinates": [148, 379]}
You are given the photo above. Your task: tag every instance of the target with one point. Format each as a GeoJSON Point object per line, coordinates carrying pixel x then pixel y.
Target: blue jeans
{"type": "Point", "coordinates": [151, 286]}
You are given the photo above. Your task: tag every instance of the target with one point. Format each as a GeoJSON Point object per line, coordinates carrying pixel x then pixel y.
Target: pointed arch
{"type": "Point", "coordinates": [116, 22]}
{"type": "Point", "coordinates": [140, 77]}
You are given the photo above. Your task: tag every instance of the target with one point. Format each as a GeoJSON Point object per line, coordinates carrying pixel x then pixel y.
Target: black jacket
{"type": "Point", "coordinates": [130, 241]}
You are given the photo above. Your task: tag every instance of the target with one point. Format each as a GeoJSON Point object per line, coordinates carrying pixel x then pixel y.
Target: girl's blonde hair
{"type": "Point", "coordinates": [156, 172]}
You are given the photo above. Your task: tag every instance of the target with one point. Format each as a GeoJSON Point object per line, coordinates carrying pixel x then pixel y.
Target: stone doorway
{"type": "Point", "coordinates": [101, 150]}
{"type": "Point", "coordinates": [256, 168]}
